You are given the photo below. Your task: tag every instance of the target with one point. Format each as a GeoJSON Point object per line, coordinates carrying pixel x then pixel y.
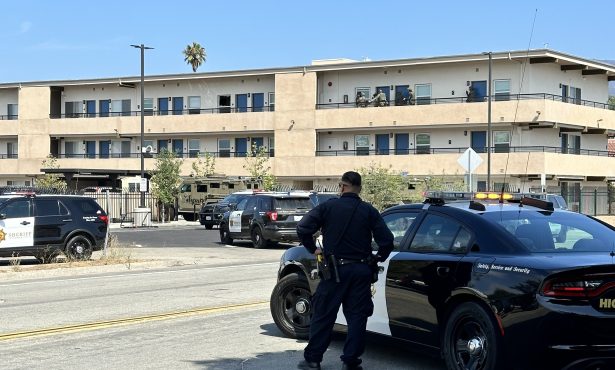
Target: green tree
{"type": "Point", "coordinates": [257, 164]}
{"type": "Point", "coordinates": [611, 102]}
{"type": "Point", "coordinates": [382, 187]}
{"type": "Point", "coordinates": [51, 180]}
{"type": "Point", "coordinates": [194, 55]}
{"type": "Point", "coordinates": [204, 165]}
{"type": "Point", "coordinates": [165, 177]}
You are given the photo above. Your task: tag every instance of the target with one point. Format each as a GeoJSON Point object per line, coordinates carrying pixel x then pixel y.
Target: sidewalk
{"type": "Point", "coordinates": [179, 222]}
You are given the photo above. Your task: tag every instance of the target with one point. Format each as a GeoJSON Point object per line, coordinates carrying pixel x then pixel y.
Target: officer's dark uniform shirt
{"type": "Point", "coordinates": [333, 215]}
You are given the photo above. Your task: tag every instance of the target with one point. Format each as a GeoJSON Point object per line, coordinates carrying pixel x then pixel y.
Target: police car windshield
{"type": "Point", "coordinates": [233, 198]}
{"type": "Point", "coordinates": [561, 232]}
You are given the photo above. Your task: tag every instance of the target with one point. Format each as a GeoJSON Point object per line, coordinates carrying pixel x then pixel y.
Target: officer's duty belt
{"type": "Point", "coordinates": [346, 261]}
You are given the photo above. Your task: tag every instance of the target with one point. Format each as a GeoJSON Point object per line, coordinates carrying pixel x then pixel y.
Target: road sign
{"type": "Point", "coordinates": [469, 160]}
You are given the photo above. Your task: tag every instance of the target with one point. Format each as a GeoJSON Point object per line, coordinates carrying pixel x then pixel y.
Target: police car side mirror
{"type": "Point", "coordinates": [232, 206]}
{"type": "Point", "coordinates": [2, 216]}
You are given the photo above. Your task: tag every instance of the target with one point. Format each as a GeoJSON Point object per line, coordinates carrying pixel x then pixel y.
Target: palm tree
{"type": "Point", "coordinates": [194, 55]}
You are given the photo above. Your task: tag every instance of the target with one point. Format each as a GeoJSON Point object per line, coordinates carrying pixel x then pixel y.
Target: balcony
{"type": "Point", "coordinates": [9, 117]}
{"type": "Point", "coordinates": [460, 150]}
{"type": "Point", "coordinates": [216, 110]}
{"type": "Point", "coordinates": [129, 123]}
{"type": "Point", "coordinates": [220, 154]}
{"type": "Point", "coordinates": [509, 108]}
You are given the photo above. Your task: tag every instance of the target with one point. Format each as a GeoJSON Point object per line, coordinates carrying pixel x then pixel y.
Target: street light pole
{"type": "Point", "coordinates": [142, 47]}
{"type": "Point", "coordinates": [489, 127]}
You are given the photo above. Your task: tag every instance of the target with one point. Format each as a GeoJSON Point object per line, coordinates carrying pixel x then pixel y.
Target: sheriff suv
{"type": "Point", "coordinates": [47, 225]}
{"type": "Point", "coordinates": [211, 213]}
{"type": "Point", "coordinates": [265, 218]}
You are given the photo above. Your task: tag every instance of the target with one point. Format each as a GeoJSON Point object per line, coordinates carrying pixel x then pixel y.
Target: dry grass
{"type": "Point", "coordinates": [115, 253]}
{"type": "Point", "coordinates": [15, 262]}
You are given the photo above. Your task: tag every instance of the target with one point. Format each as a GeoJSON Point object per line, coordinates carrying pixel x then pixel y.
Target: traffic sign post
{"type": "Point", "coordinates": [469, 161]}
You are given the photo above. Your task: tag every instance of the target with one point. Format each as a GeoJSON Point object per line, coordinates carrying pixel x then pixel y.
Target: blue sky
{"type": "Point", "coordinates": [56, 40]}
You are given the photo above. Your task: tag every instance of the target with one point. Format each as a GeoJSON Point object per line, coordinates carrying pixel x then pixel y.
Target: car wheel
{"type": "Point", "coordinates": [188, 216]}
{"type": "Point", "coordinates": [78, 248]}
{"type": "Point", "coordinates": [290, 306]}
{"type": "Point", "coordinates": [225, 237]}
{"type": "Point", "coordinates": [471, 340]}
{"type": "Point", "coordinates": [209, 226]}
{"type": "Point", "coordinates": [257, 238]}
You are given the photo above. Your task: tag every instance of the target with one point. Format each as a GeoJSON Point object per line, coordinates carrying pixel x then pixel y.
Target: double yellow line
{"type": "Point", "coordinates": [128, 321]}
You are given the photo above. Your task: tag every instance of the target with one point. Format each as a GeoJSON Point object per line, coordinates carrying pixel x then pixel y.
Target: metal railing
{"type": "Point", "coordinates": [219, 154]}
{"type": "Point", "coordinates": [9, 156]}
{"type": "Point", "coordinates": [464, 99]}
{"type": "Point", "coordinates": [459, 150]}
{"type": "Point", "coordinates": [215, 110]}
{"type": "Point", "coordinates": [8, 117]}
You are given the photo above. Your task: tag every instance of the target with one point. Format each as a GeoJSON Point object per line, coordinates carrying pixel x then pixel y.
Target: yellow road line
{"type": "Point", "coordinates": [127, 321]}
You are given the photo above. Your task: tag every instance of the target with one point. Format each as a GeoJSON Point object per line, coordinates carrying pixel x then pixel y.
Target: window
{"type": "Point", "coordinates": [361, 144]}
{"type": "Point", "coordinates": [70, 149]}
{"type": "Point", "coordinates": [194, 105]}
{"type": "Point", "coordinates": [241, 205]}
{"type": "Point", "coordinates": [194, 148]}
{"type": "Point", "coordinates": [575, 95]}
{"type": "Point", "coordinates": [271, 146]}
{"type": "Point", "coordinates": [120, 108]}
{"type": "Point", "coordinates": [271, 102]}
{"type": "Point", "coordinates": [12, 111]}
{"type": "Point", "coordinates": [120, 149]}
{"type": "Point", "coordinates": [501, 141]}
{"type": "Point", "coordinates": [73, 109]}
{"type": "Point", "coordinates": [88, 206]}
{"type": "Point", "coordinates": [17, 209]}
{"type": "Point", "coordinates": [148, 107]}
{"type": "Point", "coordinates": [501, 89]}
{"type": "Point", "coordinates": [201, 188]}
{"type": "Point", "coordinates": [365, 92]}
{"type": "Point", "coordinates": [49, 207]}
{"type": "Point", "coordinates": [423, 94]}
{"type": "Point", "coordinates": [186, 188]}
{"type": "Point", "coordinates": [224, 104]}
{"type": "Point", "coordinates": [11, 149]}
{"type": "Point", "coordinates": [571, 144]}
{"type": "Point", "coordinates": [423, 143]}
{"type": "Point", "coordinates": [224, 147]}
{"type": "Point", "coordinates": [399, 224]}
{"type": "Point", "coordinates": [440, 234]}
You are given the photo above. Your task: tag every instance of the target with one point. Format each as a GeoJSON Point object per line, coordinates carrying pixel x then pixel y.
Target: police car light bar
{"type": "Point", "coordinates": [443, 196]}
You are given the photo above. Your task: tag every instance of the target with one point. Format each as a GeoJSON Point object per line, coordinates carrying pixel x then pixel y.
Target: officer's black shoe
{"type": "Point", "coordinates": [345, 366]}
{"type": "Point", "coordinates": [307, 365]}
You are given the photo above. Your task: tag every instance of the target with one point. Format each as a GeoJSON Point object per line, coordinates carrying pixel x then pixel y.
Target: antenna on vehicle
{"type": "Point", "coordinates": [527, 55]}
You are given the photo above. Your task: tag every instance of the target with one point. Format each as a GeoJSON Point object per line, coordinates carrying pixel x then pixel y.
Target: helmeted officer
{"type": "Point", "coordinates": [347, 225]}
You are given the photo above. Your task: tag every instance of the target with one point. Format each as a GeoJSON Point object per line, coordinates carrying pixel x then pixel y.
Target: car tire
{"type": "Point", "coordinates": [188, 217]}
{"type": "Point", "coordinates": [257, 238]}
{"type": "Point", "coordinates": [290, 306]}
{"type": "Point", "coordinates": [471, 339]}
{"type": "Point", "coordinates": [225, 236]}
{"type": "Point", "coordinates": [209, 226]}
{"type": "Point", "coordinates": [78, 248]}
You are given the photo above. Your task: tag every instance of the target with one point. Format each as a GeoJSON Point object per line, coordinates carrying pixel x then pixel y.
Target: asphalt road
{"type": "Point", "coordinates": [210, 314]}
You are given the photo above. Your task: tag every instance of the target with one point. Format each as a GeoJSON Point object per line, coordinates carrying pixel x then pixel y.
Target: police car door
{"type": "Point", "coordinates": [248, 215]}
{"type": "Point", "coordinates": [421, 278]}
{"type": "Point", "coordinates": [234, 220]}
{"type": "Point", "coordinates": [401, 225]}
{"type": "Point", "coordinates": [16, 224]}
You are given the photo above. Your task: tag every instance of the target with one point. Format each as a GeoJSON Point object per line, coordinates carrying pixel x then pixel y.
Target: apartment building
{"type": "Point", "coordinates": [549, 126]}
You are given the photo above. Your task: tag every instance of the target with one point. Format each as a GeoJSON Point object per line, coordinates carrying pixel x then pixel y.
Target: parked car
{"type": "Point", "coordinates": [46, 225]}
{"type": "Point", "coordinates": [211, 214]}
{"type": "Point", "coordinates": [265, 218]}
{"type": "Point", "coordinates": [484, 284]}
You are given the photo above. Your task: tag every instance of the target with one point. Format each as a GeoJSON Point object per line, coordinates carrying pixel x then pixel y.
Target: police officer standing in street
{"type": "Point", "coordinates": [347, 225]}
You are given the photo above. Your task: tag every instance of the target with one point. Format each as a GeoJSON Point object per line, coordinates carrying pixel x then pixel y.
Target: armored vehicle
{"type": "Point", "coordinates": [194, 192]}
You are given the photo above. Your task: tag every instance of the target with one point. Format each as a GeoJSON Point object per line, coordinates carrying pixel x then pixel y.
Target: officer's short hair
{"type": "Point", "coordinates": [352, 178]}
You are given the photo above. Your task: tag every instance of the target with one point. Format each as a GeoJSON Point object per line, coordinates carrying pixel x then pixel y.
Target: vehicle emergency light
{"type": "Point", "coordinates": [273, 216]}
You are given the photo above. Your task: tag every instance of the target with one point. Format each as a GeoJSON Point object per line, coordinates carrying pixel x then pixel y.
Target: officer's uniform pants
{"type": "Point", "coordinates": [353, 292]}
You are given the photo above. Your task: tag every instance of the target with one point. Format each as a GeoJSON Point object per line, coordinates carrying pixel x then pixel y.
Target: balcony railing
{"type": "Point", "coordinates": [8, 156]}
{"type": "Point", "coordinates": [217, 110]}
{"type": "Point", "coordinates": [219, 154]}
{"type": "Point", "coordinates": [8, 117]}
{"type": "Point", "coordinates": [449, 100]}
{"type": "Point", "coordinates": [459, 150]}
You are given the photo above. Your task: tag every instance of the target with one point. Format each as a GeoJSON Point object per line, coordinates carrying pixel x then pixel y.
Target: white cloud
{"type": "Point", "coordinates": [25, 26]}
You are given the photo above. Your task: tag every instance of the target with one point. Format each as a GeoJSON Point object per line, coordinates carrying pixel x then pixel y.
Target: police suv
{"type": "Point", "coordinates": [265, 218]}
{"type": "Point", "coordinates": [46, 225]}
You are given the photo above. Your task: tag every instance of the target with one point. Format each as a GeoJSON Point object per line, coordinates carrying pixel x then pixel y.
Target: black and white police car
{"type": "Point", "coordinates": [45, 225]}
{"type": "Point", "coordinates": [488, 283]}
{"type": "Point", "coordinates": [265, 218]}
